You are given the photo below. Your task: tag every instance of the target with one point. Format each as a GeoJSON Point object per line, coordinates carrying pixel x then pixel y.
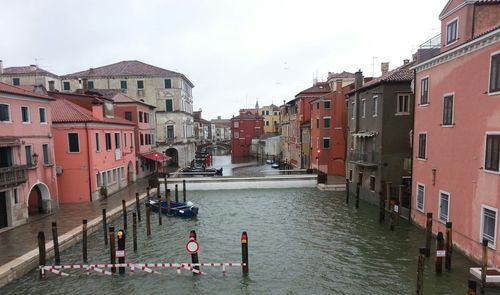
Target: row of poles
{"type": "Point", "coordinates": [444, 247]}
{"type": "Point", "coordinates": [109, 233]}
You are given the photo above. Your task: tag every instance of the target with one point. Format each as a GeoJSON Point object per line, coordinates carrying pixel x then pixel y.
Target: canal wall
{"type": "Point", "coordinates": [24, 264]}
{"type": "Point", "coordinates": [231, 183]}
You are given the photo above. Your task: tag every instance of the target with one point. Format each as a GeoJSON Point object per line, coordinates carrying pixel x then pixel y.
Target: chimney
{"type": "Point", "coordinates": [1, 67]}
{"type": "Point", "coordinates": [218, 117]}
{"type": "Point", "coordinates": [85, 84]}
{"type": "Point", "coordinates": [358, 79]}
{"type": "Point", "coordinates": [338, 85]}
{"type": "Point", "coordinates": [52, 85]}
{"type": "Point", "coordinates": [98, 111]}
{"type": "Point", "coordinates": [32, 68]}
{"type": "Point", "coordinates": [406, 61]}
{"type": "Point", "coordinates": [384, 68]}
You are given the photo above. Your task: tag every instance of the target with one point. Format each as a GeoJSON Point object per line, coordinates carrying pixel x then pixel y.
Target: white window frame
{"type": "Point", "coordinates": [137, 84]}
{"type": "Point", "coordinates": [353, 114]}
{"type": "Point", "coordinates": [428, 92]}
{"type": "Point", "coordinates": [456, 33]}
{"type": "Point", "coordinates": [166, 131]}
{"type": "Point", "coordinates": [29, 114]}
{"type": "Point", "coordinates": [489, 74]}
{"type": "Point", "coordinates": [10, 112]}
{"type": "Point", "coordinates": [329, 143]}
{"type": "Point", "coordinates": [426, 145]}
{"type": "Point", "coordinates": [482, 225]}
{"type": "Point", "coordinates": [407, 94]}
{"type": "Point", "coordinates": [324, 104]}
{"type": "Point", "coordinates": [236, 135]}
{"type": "Point", "coordinates": [79, 147]}
{"type": "Point", "coordinates": [452, 110]}
{"type": "Point", "coordinates": [329, 121]}
{"type": "Point", "coordinates": [423, 197]}
{"type": "Point", "coordinates": [363, 108]}
{"type": "Point", "coordinates": [45, 112]}
{"type": "Point", "coordinates": [441, 192]}
{"type": "Point", "coordinates": [49, 158]}
{"type": "Point", "coordinates": [374, 183]}
{"type": "Point", "coordinates": [484, 152]}
{"type": "Point", "coordinates": [375, 106]}
{"type": "Point", "coordinates": [236, 124]}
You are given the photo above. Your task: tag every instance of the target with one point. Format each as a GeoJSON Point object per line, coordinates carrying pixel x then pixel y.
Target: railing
{"type": "Point", "coordinates": [429, 49]}
{"type": "Point", "coordinates": [364, 157]}
{"type": "Point", "coordinates": [434, 42]}
{"type": "Point", "coordinates": [12, 176]}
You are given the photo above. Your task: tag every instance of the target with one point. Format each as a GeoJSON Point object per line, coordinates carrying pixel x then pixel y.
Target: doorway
{"type": "Point", "coordinates": [3, 210]}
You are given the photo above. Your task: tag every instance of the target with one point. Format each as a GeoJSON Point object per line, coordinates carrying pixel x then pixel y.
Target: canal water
{"type": "Point", "coordinates": [301, 241]}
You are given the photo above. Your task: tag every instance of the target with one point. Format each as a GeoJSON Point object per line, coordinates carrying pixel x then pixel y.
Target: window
{"type": "Point", "coordinates": [142, 139]}
{"type": "Point", "coordinates": [451, 31]}
{"type": "Point", "coordinates": [146, 117]}
{"type": "Point", "coordinates": [353, 109]}
{"type": "Point", "coordinates": [422, 146]}
{"type": "Point", "coordinates": [420, 197]}
{"type": "Point", "coordinates": [117, 140]}
{"type": "Point", "coordinates": [140, 117]}
{"type": "Point", "coordinates": [317, 122]}
{"type": "Point", "coordinates": [43, 115]}
{"type": "Point", "coordinates": [317, 105]}
{"type": "Point", "coordinates": [267, 113]}
{"type": "Point", "coordinates": [109, 176]}
{"type": "Point", "coordinates": [444, 206]}
{"type": "Point", "coordinates": [90, 84]}
{"type": "Point", "coordinates": [73, 143]}
{"type": "Point", "coordinates": [170, 132]}
{"type": "Point", "coordinates": [28, 150]}
{"type": "Point", "coordinates": [375, 106]}
{"type": "Point", "coordinates": [128, 116]}
{"type": "Point", "coordinates": [491, 161]}
{"type": "Point", "coordinates": [372, 183]}
{"type": "Point", "coordinates": [114, 175]}
{"type": "Point", "coordinates": [16, 197]}
{"type": "Point", "coordinates": [236, 135]}
{"type": "Point", "coordinates": [424, 91]}
{"type": "Point", "coordinates": [169, 105]}
{"type": "Point", "coordinates": [267, 123]}
{"type": "Point", "coordinates": [108, 141]}
{"type": "Point", "coordinates": [495, 73]}
{"type": "Point", "coordinates": [326, 122]}
{"type": "Point", "coordinates": [363, 108]}
{"type": "Point", "coordinates": [327, 104]}
{"type": "Point", "coordinates": [489, 224]}
{"type": "Point", "coordinates": [350, 175]}
{"type": "Point", "coordinates": [124, 139]}
{"type": "Point", "coordinates": [16, 82]}
{"type": "Point", "coordinates": [326, 142]}
{"type": "Point", "coordinates": [46, 154]}
{"type": "Point", "coordinates": [403, 104]}
{"type": "Point", "coordinates": [25, 114]}
{"type": "Point", "coordinates": [140, 84]}
{"type": "Point", "coordinates": [236, 124]}
{"type": "Point", "coordinates": [448, 110]}
{"type": "Point", "coordinates": [168, 83]}
{"type": "Point", "coordinates": [98, 179]}
{"type": "Point", "coordinates": [97, 143]}
{"type": "Point", "coordinates": [4, 112]}
{"type": "Point", "coordinates": [66, 86]}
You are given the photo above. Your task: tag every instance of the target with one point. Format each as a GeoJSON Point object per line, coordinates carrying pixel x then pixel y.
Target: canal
{"type": "Point", "coordinates": [301, 241]}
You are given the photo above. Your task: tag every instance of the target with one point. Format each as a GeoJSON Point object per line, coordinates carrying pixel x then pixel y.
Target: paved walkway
{"type": "Point", "coordinates": [20, 240]}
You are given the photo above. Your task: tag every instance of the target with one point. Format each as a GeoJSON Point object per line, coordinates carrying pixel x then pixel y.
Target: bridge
{"type": "Point", "coordinates": [226, 145]}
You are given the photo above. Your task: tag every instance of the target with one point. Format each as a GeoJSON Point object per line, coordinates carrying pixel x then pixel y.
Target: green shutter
{"type": "Point", "coordinates": [169, 105]}
{"type": "Point", "coordinates": [66, 86]}
{"type": "Point", "coordinates": [168, 83]}
{"type": "Point", "coordinates": [123, 84]}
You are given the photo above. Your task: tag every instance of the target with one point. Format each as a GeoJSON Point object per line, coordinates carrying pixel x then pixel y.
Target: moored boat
{"type": "Point", "coordinates": [178, 209]}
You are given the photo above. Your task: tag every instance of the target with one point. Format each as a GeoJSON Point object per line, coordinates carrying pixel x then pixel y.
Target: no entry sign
{"type": "Point", "coordinates": [192, 247]}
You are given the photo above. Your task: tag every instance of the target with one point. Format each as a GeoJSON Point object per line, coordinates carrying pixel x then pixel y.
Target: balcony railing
{"type": "Point", "coordinates": [13, 176]}
{"type": "Point", "coordinates": [358, 156]}
{"type": "Point", "coordinates": [429, 49]}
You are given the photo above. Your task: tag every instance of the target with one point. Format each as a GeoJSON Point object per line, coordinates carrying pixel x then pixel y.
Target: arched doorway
{"type": "Point", "coordinates": [174, 157]}
{"type": "Point", "coordinates": [131, 172]}
{"type": "Point", "coordinates": [38, 200]}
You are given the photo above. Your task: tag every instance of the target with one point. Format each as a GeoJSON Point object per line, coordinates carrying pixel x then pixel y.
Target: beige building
{"type": "Point", "coordinates": [272, 118]}
{"type": "Point", "coordinates": [169, 91]}
{"type": "Point", "coordinates": [29, 75]}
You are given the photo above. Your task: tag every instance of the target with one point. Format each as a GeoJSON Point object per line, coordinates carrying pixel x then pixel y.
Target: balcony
{"type": "Point", "coordinates": [429, 49]}
{"type": "Point", "coordinates": [368, 159]}
{"type": "Point", "coordinates": [13, 176]}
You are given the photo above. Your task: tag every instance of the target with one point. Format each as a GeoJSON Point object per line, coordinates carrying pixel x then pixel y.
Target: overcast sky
{"type": "Point", "coordinates": [233, 51]}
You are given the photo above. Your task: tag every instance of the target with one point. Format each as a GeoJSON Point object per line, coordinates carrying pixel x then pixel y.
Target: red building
{"type": "Point", "coordinates": [328, 126]}
{"type": "Point", "coordinates": [244, 128]}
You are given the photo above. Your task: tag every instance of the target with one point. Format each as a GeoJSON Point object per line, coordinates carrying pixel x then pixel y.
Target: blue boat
{"type": "Point", "coordinates": [177, 209]}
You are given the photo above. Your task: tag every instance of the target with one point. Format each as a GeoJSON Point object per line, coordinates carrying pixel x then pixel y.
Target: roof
{"type": "Point", "coordinates": [68, 95]}
{"type": "Point", "coordinates": [248, 116]}
{"type": "Point", "coordinates": [27, 71]}
{"type": "Point", "coordinates": [126, 68]}
{"type": "Point", "coordinates": [122, 98]}
{"type": "Point", "coordinates": [400, 74]}
{"type": "Point", "coordinates": [64, 111]}
{"type": "Point", "coordinates": [344, 74]}
{"type": "Point", "coordinates": [20, 91]}
{"type": "Point", "coordinates": [319, 87]}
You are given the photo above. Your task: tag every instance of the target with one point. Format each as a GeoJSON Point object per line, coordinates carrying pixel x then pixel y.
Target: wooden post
{"type": "Point", "coordinates": [420, 271]}
{"type": "Point", "coordinates": [176, 193]}
{"type": "Point", "coordinates": [55, 239]}
{"type": "Point", "coordinates": [41, 252]}
{"type": "Point", "coordinates": [472, 288]}
{"type": "Point", "coordinates": [194, 257]}
{"type": "Point", "coordinates": [121, 247]}
{"type": "Point", "coordinates": [439, 254]}
{"type": "Point", "coordinates": [165, 183]}
{"type": "Point", "coordinates": [159, 211]}
{"type": "Point", "coordinates": [358, 185]}
{"type": "Point", "coordinates": [84, 240]}
{"type": "Point", "coordinates": [381, 205]}
{"type": "Point", "coordinates": [167, 195]}
{"type": "Point", "coordinates": [484, 265]}
{"type": "Point", "coordinates": [124, 212]}
{"type": "Point", "coordinates": [112, 252]}
{"type": "Point", "coordinates": [104, 226]}
{"type": "Point", "coordinates": [184, 190]}
{"type": "Point", "coordinates": [392, 216]}
{"type": "Point", "coordinates": [147, 193]}
{"type": "Point", "coordinates": [449, 247]}
{"type": "Point", "coordinates": [428, 234]}
{"type": "Point", "coordinates": [134, 231]}
{"type": "Point", "coordinates": [138, 206]}
{"type": "Point", "coordinates": [148, 221]}
{"type": "Point", "coordinates": [158, 195]}
{"type": "Point", "coordinates": [244, 252]}
{"type": "Point", "coordinates": [347, 191]}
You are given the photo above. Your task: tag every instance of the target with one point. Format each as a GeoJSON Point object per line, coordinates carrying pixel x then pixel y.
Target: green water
{"type": "Point", "coordinates": [301, 241]}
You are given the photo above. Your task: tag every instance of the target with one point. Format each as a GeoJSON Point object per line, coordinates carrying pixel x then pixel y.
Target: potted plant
{"type": "Point", "coordinates": [103, 191]}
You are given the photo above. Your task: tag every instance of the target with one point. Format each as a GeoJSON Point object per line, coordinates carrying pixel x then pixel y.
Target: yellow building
{"type": "Point", "coordinates": [272, 118]}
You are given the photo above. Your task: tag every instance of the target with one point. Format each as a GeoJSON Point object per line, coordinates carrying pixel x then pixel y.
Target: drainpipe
{"type": "Point", "coordinates": [88, 160]}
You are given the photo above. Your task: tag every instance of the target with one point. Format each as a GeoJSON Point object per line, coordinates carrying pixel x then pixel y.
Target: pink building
{"type": "Point", "coordinates": [456, 164]}
{"type": "Point", "coordinates": [95, 151]}
{"type": "Point", "coordinates": [143, 116]}
{"type": "Point", "coordinates": [28, 184]}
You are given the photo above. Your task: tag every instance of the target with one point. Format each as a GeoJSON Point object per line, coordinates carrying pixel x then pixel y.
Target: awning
{"type": "Point", "coordinates": [9, 141]}
{"type": "Point", "coordinates": [365, 134]}
{"type": "Point", "coordinates": [156, 156]}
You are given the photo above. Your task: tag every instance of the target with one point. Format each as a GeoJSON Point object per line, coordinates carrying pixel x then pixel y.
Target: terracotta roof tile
{"type": "Point", "coordinates": [344, 74]}
{"type": "Point", "coordinates": [26, 71]}
{"type": "Point", "coordinates": [18, 90]}
{"type": "Point", "coordinates": [319, 87]}
{"type": "Point", "coordinates": [122, 98]}
{"type": "Point", "coordinates": [400, 74]}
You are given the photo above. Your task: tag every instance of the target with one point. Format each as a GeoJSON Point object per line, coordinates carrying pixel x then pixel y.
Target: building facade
{"type": "Point", "coordinates": [29, 75]}
{"type": "Point", "coordinates": [28, 184]}
{"type": "Point", "coordinates": [169, 91]}
{"type": "Point", "coordinates": [245, 127]}
{"type": "Point", "coordinates": [457, 132]}
{"type": "Point", "coordinates": [272, 118]}
{"type": "Point", "coordinates": [222, 129]}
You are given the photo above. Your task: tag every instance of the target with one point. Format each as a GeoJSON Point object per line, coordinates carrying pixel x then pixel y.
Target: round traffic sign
{"type": "Point", "coordinates": [192, 247]}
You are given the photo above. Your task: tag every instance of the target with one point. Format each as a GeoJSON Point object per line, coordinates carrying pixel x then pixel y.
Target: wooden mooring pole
{"type": "Point", "coordinates": [55, 239]}
{"type": "Point", "coordinates": [358, 186]}
{"type": "Point", "coordinates": [381, 208]}
{"type": "Point", "coordinates": [449, 246]}
{"type": "Point", "coordinates": [176, 193]}
{"type": "Point", "coordinates": [439, 253]}
{"type": "Point", "coordinates": [194, 257]}
{"type": "Point", "coordinates": [184, 190]}
{"type": "Point", "coordinates": [148, 221]}
{"type": "Point", "coordinates": [124, 212]}
{"type": "Point", "coordinates": [134, 230]}
{"type": "Point", "coordinates": [347, 191]}
{"type": "Point", "coordinates": [484, 265]}
{"type": "Point", "coordinates": [120, 235]}
{"type": "Point", "coordinates": [159, 211]}
{"type": "Point", "coordinates": [428, 234]}
{"type": "Point", "coordinates": [41, 252]}
{"type": "Point", "coordinates": [84, 240]}
{"type": "Point", "coordinates": [167, 196]}
{"type": "Point", "coordinates": [420, 271]}
{"type": "Point", "coordinates": [112, 252]}
{"type": "Point", "coordinates": [138, 206]}
{"type": "Point", "coordinates": [472, 288]}
{"type": "Point", "coordinates": [105, 226]}
{"type": "Point", "coordinates": [244, 252]}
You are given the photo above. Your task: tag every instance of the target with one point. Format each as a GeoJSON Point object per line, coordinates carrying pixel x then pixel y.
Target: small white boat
{"type": "Point", "coordinates": [269, 162]}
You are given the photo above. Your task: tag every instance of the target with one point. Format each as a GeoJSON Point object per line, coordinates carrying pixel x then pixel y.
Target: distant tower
{"type": "Point", "coordinates": [257, 104]}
